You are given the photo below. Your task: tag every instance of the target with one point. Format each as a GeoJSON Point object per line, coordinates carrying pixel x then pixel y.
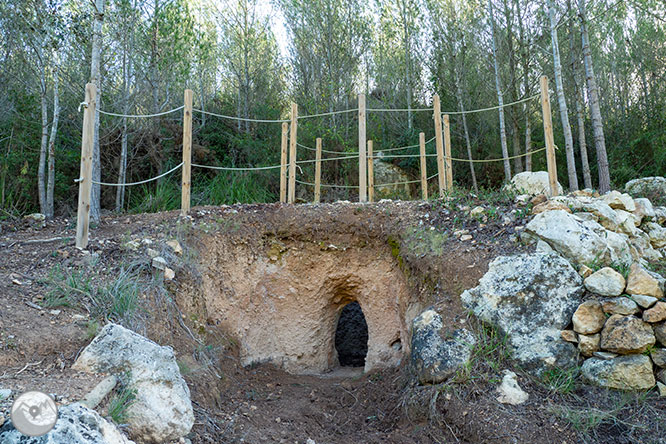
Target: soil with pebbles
{"type": "Point", "coordinates": [263, 403]}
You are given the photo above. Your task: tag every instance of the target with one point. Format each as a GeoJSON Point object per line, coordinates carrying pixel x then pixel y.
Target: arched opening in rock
{"type": "Point", "coordinates": [351, 336]}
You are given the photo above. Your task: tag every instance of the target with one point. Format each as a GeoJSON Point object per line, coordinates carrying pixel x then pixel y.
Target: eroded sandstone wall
{"type": "Point", "coordinates": [282, 300]}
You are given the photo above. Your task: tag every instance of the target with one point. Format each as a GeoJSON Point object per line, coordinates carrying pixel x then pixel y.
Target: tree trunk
{"type": "Point", "coordinates": [461, 105]}
{"type": "Point", "coordinates": [517, 161]}
{"type": "Point", "coordinates": [500, 99]}
{"type": "Point", "coordinates": [593, 97]}
{"type": "Point", "coordinates": [41, 171]}
{"type": "Point", "coordinates": [526, 85]}
{"type": "Point", "coordinates": [122, 164]}
{"type": "Point", "coordinates": [578, 100]}
{"type": "Point", "coordinates": [564, 112]}
{"type": "Point", "coordinates": [95, 78]}
{"type": "Point", "coordinates": [50, 187]}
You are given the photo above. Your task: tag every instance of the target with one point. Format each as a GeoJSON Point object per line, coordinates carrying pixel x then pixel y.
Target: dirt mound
{"type": "Point", "coordinates": [242, 261]}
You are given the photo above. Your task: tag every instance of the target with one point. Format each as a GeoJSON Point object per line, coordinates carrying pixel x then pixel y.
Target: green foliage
{"type": "Point", "coordinates": [67, 287]}
{"type": "Point", "coordinates": [115, 300]}
{"type": "Point", "coordinates": [233, 187]}
{"type": "Point", "coordinates": [491, 347]}
{"type": "Point", "coordinates": [562, 381]}
{"type": "Point", "coordinates": [163, 197]}
{"type": "Point", "coordinates": [123, 400]}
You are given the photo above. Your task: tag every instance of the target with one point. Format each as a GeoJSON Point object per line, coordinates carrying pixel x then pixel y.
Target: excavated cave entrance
{"type": "Point", "coordinates": [310, 309]}
{"type": "Point", "coordinates": [351, 336]}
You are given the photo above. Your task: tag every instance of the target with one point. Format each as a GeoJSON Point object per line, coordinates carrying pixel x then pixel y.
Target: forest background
{"type": "Point", "coordinates": [606, 60]}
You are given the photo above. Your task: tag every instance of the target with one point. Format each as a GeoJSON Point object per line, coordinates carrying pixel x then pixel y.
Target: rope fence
{"type": "Point", "coordinates": [142, 116]}
{"type": "Point", "coordinates": [152, 179]}
{"type": "Point", "coordinates": [289, 164]}
{"type": "Point", "coordinates": [517, 102]}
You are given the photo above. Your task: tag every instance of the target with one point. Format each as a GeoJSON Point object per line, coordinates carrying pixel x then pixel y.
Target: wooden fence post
{"type": "Point", "coordinates": [317, 187]}
{"type": "Point", "coordinates": [441, 175]}
{"type": "Point", "coordinates": [187, 155]}
{"type": "Point", "coordinates": [448, 163]}
{"type": "Point", "coordinates": [548, 135]}
{"type": "Point", "coordinates": [85, 185]}
{"type": "Point", "coordinates": [424, 174]}
{"type": "Point", "coordinates": [283, 163]}
{"type": "Point", "coordinates": [371, 174]}
{"type": "Point", "coordinates": [362, 159]}
{"type": "Point", "coordinates": [292, 153]}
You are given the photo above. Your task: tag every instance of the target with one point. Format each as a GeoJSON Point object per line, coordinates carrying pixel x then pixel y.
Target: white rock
{"type": "Point", "coordinates": [617, 200]}
{"type": "Point", "coordinates": [581, 242]}
{"type": "Point", "coordinates": [162, 410]}
{"type": "Point", "coordinates": [643, 300]}
{"type": "Point", "coordinates": [38, 217]}
{"type": "Point", "coordinates": [660, 215]}
{"type": "Point", "coordinates": [169, 274]}
{"type": "Point", "coordinates": [605, 282]}
{"type": "Point", "coordinates": [159, 262]}
{"type": "Point", "coordinates": [76, 424]}
{"type": "Point", "coordinates": [647, 186]}
{"type": "Point", "coordinates": [476, 211]}
{"type": "Point", "coordinates": [531, 298]}
{"type": "Point", "coordinates": [533, 183]}
{"type": "Point", "coordinates": [433, 358]}
{"type": "Point", "coordinates": [509, 391]}
{"type": "Point", "coordinates": [606, 216]}
{"type": "Point", "coordinates": [175, 246]}
{"type": "Point", "coordinates": [644, 209]}
{"type": "Point", "coordinates": [627, 222]}
{"type": "Point", "coordinates": [657, 234]}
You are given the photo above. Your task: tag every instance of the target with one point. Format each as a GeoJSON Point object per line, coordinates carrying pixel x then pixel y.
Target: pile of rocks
{"type": "Point", "coordinates": [617, 324]}
{"type": "Point", "coordinates": [621, 328]}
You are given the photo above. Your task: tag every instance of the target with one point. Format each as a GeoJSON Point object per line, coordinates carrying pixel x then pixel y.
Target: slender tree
{"type": "Point", "coordinates": [95, 77]}
{"type": "Point", "coordinates": [500, 99]}
{"type": "Point", "coordinates": [564, 113]}
{"type": "Point", "coordinates": [578, 100]}
{"type": "Point", "coordinates": [593, 95]}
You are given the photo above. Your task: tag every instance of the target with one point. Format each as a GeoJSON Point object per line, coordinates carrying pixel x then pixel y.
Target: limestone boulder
{"type": "Point", "coordinates": [645, 282]}
{"type": "Point", "coordinates": [619, 201]}
{"type": "Point", "coordinates": [605, 215]}
{"type": "Point", "coordinates": [656, 233]}
{"type": "Point", "coordinates": [589, 344]}
{"type": "Point", "coordinates": [644, 301]}
{"type": "Point", "coordinates": [76, 424]}
{"type": "Point", "coordinates": [533, 183]}
{"type": "Point", "coordinates": [589, 318]}
{"type": "Point", "coordinates": [627, 223]}
{"type": "Point", "coordinates": [509, 391]}
{"type": "Point", "coordinates": [632, 372]}
{"type": "Point", "coordinates": [660, 332]}
{"type": "Point", "coordinates": [569, 336]}
{"type": "Point", "coordinates": [626, 334]}
{"type": "Point", "coordinates": [658, 356]}
{"type": "Point", "coordinates": [620, 305]}
{"type": "Point", "coordinates": [660, 215]}
{"type": "Point", "coordinates": [647, 186]}
{"type": "Point", "coordinates": [433, 357]}
{"type": "Point", "coordinates": [644, 209]}
{"type": "Point", "coordinates": [641, 248]}
{"type": "Point", "coordinates": [605, 282]}
{"type": "Point", "coordinates": [387, 173]}
{"type": "Point", "coordinates": [531, 298]}
{"type": "Point", "coordinates": [656, 313]}
{"type": "Point", "coordinates": [581, 242]}
{"type": "Point", "coordinates": [162, 410]}
{"type": "Point", "coordinates": [550, 205]}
